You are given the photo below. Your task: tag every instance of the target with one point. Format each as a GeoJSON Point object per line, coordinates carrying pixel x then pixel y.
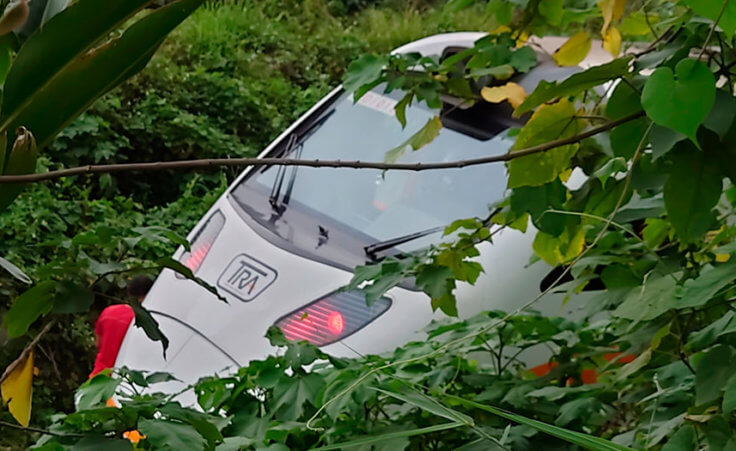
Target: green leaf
{"type": "Point", "coordinates": [729, 396]}
{"type": "Point", "coordinates": [70, 297]}
{"type": "Point", "coordinates": [370, 439]}
{"type": "Point", "coordinates": [574, 84]}
{"type": "Point", "coordinates": [552, 10]}
{"type": "Point", "coordinates": [428, 404]}
{"type": "Point", "coordinates": [179, 268]}
{"type": "Point", "coordinates": [145, 321]}
{"type": "Point", "coordinates": [421, 138]}
{"type": "Point", "coordinates": [66, 61]}
{"type": "Point", "coordinates": [365, 70]}
{"type": "Point", "coordinates": [53, 49]}
{"type": "Point", "coordinates": [655, 297]}
{"type": "Point", "coordinates": [680, 100]}
{"type": "Point", "coordinates": [574, 437]}
{"type": "Point", "coordinates": [709, 334]}
{"type": "Point", "coordinates": [548, 123]}
{"type": "Point", "coordinates": [624, 101]}
{"type": "Point", "coordinates": [401, 105]}
{"type": "Point", "coordinates": [714, 369]}
{"type": "Point", "coordinates": [696, 292]}
{"type": "Point", "coordinates": [291, 394]}
{"type": "Point", "coordinates": [524, 59]}
{"type": "Point", "coordinates": [34, 302]}
{"type": "Point", "coordinates": [14, 271]}
{"type": "Point", "coordinates": [712, 9]}
{"type": "Point", "coordinates": [663, 140]}
{"type": "Point", "coordinates": [432, 279]}
{"type": "Point", "coordinates": [682, 440]}
{"type": "Point", "coordinates": [560, 249]}
{"type": "Point", "coordinates": [611, 168]}
{"type": "Point", "coordinates": [98, 442]}
{"type": "Point", "coordinates": [96, 391]}
{"type": "Point", "coordinates": [205, 424]}
{"type": "Point", "coordinates": [721, 116]}
{"type": "Point", "coordinates": [692, 190]}
{"type": "Point", "coordinates": [164, 434]}
{"type": "Point", "coordinates": [536, 200]}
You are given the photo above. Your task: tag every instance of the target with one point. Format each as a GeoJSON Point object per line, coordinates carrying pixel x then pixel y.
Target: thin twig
{"type": "Point", "coordinates": [27, 350]}
{"type": "Point", "coordinates": [39, 430]}
{"type": "Point", "coordinates": [227, 162]}
{"type": "Point", "coordinates": [713, 29]}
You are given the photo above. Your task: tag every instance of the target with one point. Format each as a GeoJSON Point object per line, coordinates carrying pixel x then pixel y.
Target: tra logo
{"type": "Point", "coordinates": [246, 278]}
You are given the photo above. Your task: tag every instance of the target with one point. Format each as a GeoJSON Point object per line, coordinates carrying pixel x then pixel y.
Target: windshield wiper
{"type": "Point", "coordinates": [296, 142]}
{"type": "Point", "coordinates": [372, 249]}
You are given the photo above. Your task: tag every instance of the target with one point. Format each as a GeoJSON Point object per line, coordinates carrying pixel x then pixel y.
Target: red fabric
{"type": "Point", "coordinates": [110, 330]}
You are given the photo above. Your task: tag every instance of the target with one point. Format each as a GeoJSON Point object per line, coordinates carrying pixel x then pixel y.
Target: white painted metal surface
{"type": "Point", "coordinates": [208, 336]}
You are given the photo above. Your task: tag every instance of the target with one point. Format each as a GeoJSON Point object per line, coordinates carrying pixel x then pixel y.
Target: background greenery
{"type": "Point", "coordinates": [225, 83]}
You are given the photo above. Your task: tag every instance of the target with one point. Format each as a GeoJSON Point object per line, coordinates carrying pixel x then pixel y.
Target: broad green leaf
{"type": "Point", "coordinates": [574, 437]}
{"type": "Point", "coordinates": [70, 297]}
{"type": "Point", "coordinates": [575, 84]}
{"type": "Point", "coordinates": [548, 123]}
{"type": "Point", "coordinates": [428, 404]}
{"type": "Point", "coordinates": [181, 269]}
{"type": "Point", "coordinates": [709, 334]}
{"type": "Point", "coordinates": [291, 394]}
{"type": "Point", "coordinates": [680, 100]}
{"type": "Point", "coordinates": [64, 95]}
{"type": "Point", "coordinates": [421, 138]}
{"type": "Point", "coordinates": [729, 396]}
{"type": "Point", "coordinates": [692, 190]}
{"type": "Point", "coordinates": [696, 292]}
{"type": "Point", "coordinates": [712, 9]}
{"type": "Point", "coordinates": [53, 49]}
{"type": "Point", "coordinates": [205, 424]}
{"type": "Point", "coordinates": [682, 440]}
{"type": "Point", "coordinates": [536, 200]}
{"type": "Point", "coordinates": [14, 271]}
{"type": "Point", "coordinates": [714, 369]}
{"type": "Point", "coordinates": [611, 168]}
{"type": "Point", "coordinates": [98, 442]}
{"type": "Point", "coordinates": [524, 59]}
{"type": "Point", "coordinates": [364, 71]}
{"type": "Point", "coordinates": [635, 24]}
{"type": "Point", "coordinates": [433, 279]}
{"type": "Point", "coordinates": [164, 434]}
{"type": "Point", "coordinates": [574, 50]}
{"type": "Point", "coordinates": [371, 439]}
{"type": "Point", "coordinates": [655, 232]}
{"type": "Point", "coordinates": [560, 249]}
{"type": "Point", "coordinates": [552, 10]}
{"type": "Point", "coordinates": [34, 302]}
{"type": "Point", "coordinates": [653, 298]}
{"type": "Point", "coordinates": [96, 391]}
{"type": "Point", "coordinates": [663, 140]}
{"type": "Point", "coordinates": [578, 409]}
{"type": "Point", "coordinates": [145, 321]}
{"type": "Point", "coordinates": [721, 116]}
{"type": "Point", "coordinates": [624, 101]}
{"type": "Point", "coordinates": [401, 106]}
{"type": "Point", "coordinates": [17, 389]}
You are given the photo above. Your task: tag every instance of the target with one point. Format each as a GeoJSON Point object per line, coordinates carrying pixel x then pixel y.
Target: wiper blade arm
{"type": "Point", "coordinates": [372, 249]}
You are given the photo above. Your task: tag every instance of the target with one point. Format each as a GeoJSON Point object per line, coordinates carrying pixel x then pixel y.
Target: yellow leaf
{"type": "Point", "coordinates": [512, 92]}
{"type": "Point", "coordinates": [612, 41]}
{"type": "Point", "coordinates": [723, 258]}
{"type": "Point", "coordinates": [501, 30]}
{"type": "Point", "coordinates": [574, 50]}
{"type": "Point", "coordinates": [611, 10]}
{"type": "Point", "coordinates": [17, 388]}
{"type": "Point", "coordinates": [521, 40]}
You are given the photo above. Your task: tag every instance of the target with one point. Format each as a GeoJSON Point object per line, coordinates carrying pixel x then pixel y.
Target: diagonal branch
{"type": "Point", "coordinates": [234, 162]}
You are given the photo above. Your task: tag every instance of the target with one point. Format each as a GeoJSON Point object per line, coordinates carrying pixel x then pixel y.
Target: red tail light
{"type": "Point", "coordinates": [203, 241]}
{"type": "Point", "coordinates": [332, 318]}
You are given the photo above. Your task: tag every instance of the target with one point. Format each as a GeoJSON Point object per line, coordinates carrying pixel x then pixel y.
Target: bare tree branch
{"type": "Point", "coordinates": [234, 162]}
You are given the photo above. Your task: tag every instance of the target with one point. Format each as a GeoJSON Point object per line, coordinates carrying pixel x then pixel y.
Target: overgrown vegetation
{"type": "Point", "coordinates": [649, 365]}
{"type": "Point", "coordinates": [225, 83]}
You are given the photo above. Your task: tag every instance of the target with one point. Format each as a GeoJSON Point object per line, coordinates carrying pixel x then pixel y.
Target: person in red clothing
{"type": "Point", "coordinates": [113, 323]}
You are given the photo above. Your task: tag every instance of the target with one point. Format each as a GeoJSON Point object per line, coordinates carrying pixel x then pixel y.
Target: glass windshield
{"type": "Point", "coordinates": [372, 205]}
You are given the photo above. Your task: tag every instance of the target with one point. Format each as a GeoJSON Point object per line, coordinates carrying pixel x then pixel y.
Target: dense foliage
{"type": "Point", "coordinates": [650, 232]}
